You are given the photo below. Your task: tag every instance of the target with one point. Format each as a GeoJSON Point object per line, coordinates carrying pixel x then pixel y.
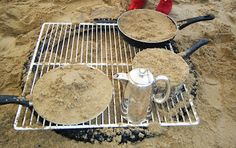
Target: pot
{"type": "Point", "coordinates": [138, 93]}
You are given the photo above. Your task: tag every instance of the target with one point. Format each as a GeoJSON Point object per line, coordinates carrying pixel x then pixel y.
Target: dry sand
{"type": "Point", "coordinates": [69, 95]}
{"type": "Point", "coordinates": [147, 25]}
{"type": "Point", "coordinates": [163, 62]}
{"type": "Point", "coordinates": [20, 23]}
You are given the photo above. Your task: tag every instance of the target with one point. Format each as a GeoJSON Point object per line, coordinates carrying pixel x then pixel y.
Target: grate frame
{"type": "Point", "coordinates": [101, 46]}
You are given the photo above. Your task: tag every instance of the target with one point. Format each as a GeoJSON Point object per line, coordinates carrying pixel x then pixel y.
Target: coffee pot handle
{"type": "Point", "coordinates": [167, 88]}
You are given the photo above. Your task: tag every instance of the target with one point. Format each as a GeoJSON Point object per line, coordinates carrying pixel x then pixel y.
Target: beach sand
{"type": "Point", "coordinates": [20, 23]}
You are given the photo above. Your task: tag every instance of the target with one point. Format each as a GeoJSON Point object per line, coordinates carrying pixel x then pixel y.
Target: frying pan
{"type": "Point", "coordinates": [179, 25]}
{"type": "Point", "coordinates": [177, 85]}
{"type": "Point", "coordinates": [67, 82]}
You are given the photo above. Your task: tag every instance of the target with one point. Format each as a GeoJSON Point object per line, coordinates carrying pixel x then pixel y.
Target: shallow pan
{"type": "Point", "coordinates": [174, 66]}
{"type": "Point", "coordinates": [178, 25]}
{"type": "Point", "coordinates": [53, 105]}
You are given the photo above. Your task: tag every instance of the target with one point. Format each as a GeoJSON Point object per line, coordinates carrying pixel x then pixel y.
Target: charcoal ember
{"type": "Point", "coordinates": [99, 135]}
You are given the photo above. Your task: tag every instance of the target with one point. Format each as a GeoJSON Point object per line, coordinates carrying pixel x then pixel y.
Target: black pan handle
{"type": "Point", "coordinates": [184, 23]}
{"type": "Point", "coordinates": [195, 47]}
{"type": "Point", "coordinates": [105, 20]}
{"type": "Point", "coordinates": [6, 99]}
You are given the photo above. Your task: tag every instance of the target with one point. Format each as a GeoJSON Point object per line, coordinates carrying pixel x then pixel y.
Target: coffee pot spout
{"type": "Point", "coordinates": [121, 76]}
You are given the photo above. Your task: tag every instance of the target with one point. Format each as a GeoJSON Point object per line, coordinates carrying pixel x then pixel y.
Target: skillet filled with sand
{"type": "Point", "coordinates": [72, 94]}
{"type": "Point", "coordinates": [163, 62]}
{"type": "Point", "coordinates": [147, 25]}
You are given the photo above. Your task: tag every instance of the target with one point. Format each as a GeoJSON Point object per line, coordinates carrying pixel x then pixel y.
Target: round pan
{"type": "Point", "coordinates": [175, 66]}
{"type": "Point", "coordinates": [179, 25]}
{"type": "Point", "coordinates": [48, 107]}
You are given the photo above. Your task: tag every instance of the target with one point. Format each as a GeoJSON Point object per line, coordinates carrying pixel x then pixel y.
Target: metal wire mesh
{"type": "Point", "coordinates": [100, 46]}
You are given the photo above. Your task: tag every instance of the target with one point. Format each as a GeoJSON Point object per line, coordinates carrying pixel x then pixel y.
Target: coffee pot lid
{"type": "Point", "coordinates": [141, 76]}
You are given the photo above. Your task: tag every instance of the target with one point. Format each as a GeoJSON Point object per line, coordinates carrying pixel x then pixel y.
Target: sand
{"type": "Point", "coordinates": [163, 62]}
{"type": "Point", "coordinates": [69, 95]}
{"type": "Point", "coordinates": [20, 24]}
{"type": "Point", "coordinates": [147, 25]}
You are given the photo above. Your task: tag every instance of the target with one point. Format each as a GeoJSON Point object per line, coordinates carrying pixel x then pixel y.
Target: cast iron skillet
{"type": "Point", "coordinates": [11, 99]}
{"type": "Point", "coordinates": [179, 25]}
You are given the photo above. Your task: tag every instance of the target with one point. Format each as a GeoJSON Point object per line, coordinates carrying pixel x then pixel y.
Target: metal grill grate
{"type": "Point", "coordinates": [100, 46]}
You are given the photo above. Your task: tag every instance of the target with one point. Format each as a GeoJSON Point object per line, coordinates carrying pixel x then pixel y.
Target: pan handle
{"type": "Point", "coordinates": [184, 23]}
{"type": "Point", "coordinates": [195, 47]}
{"type": "Point", "coordinates": [6, 99]}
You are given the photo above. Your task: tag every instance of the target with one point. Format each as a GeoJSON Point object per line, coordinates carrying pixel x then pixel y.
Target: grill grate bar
{"type": "Point", "coordinates": [114, 35]}
{"type": "Point", "coordinates": [52, 48]}
{"type": "Point", "coordinates": [57, 47]}
{"type": "Point", "coordinates": [186, 109]}
{"type": "Point", "coordinates": [176, 114]}
{"type": "Point", "coordinates": [182, 114]}
{"type": "Point", "coordinates": [110, 47]}
{"type": "Point", "coordinates": [100, 46]}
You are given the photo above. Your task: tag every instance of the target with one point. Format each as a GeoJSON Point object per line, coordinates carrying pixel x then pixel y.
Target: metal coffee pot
{"type": "Point", "coordinates": [140, 92]}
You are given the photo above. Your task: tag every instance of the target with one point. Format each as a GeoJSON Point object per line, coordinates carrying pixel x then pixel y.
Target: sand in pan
{"type": "Point", "coordinates": [147, 25]}
{"type": "Point", "coordinates": [163, 62]}
{"type": "Point", "coordinates": [20, 23]}
{"type": "Point", "coordinates": [72, 94]}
